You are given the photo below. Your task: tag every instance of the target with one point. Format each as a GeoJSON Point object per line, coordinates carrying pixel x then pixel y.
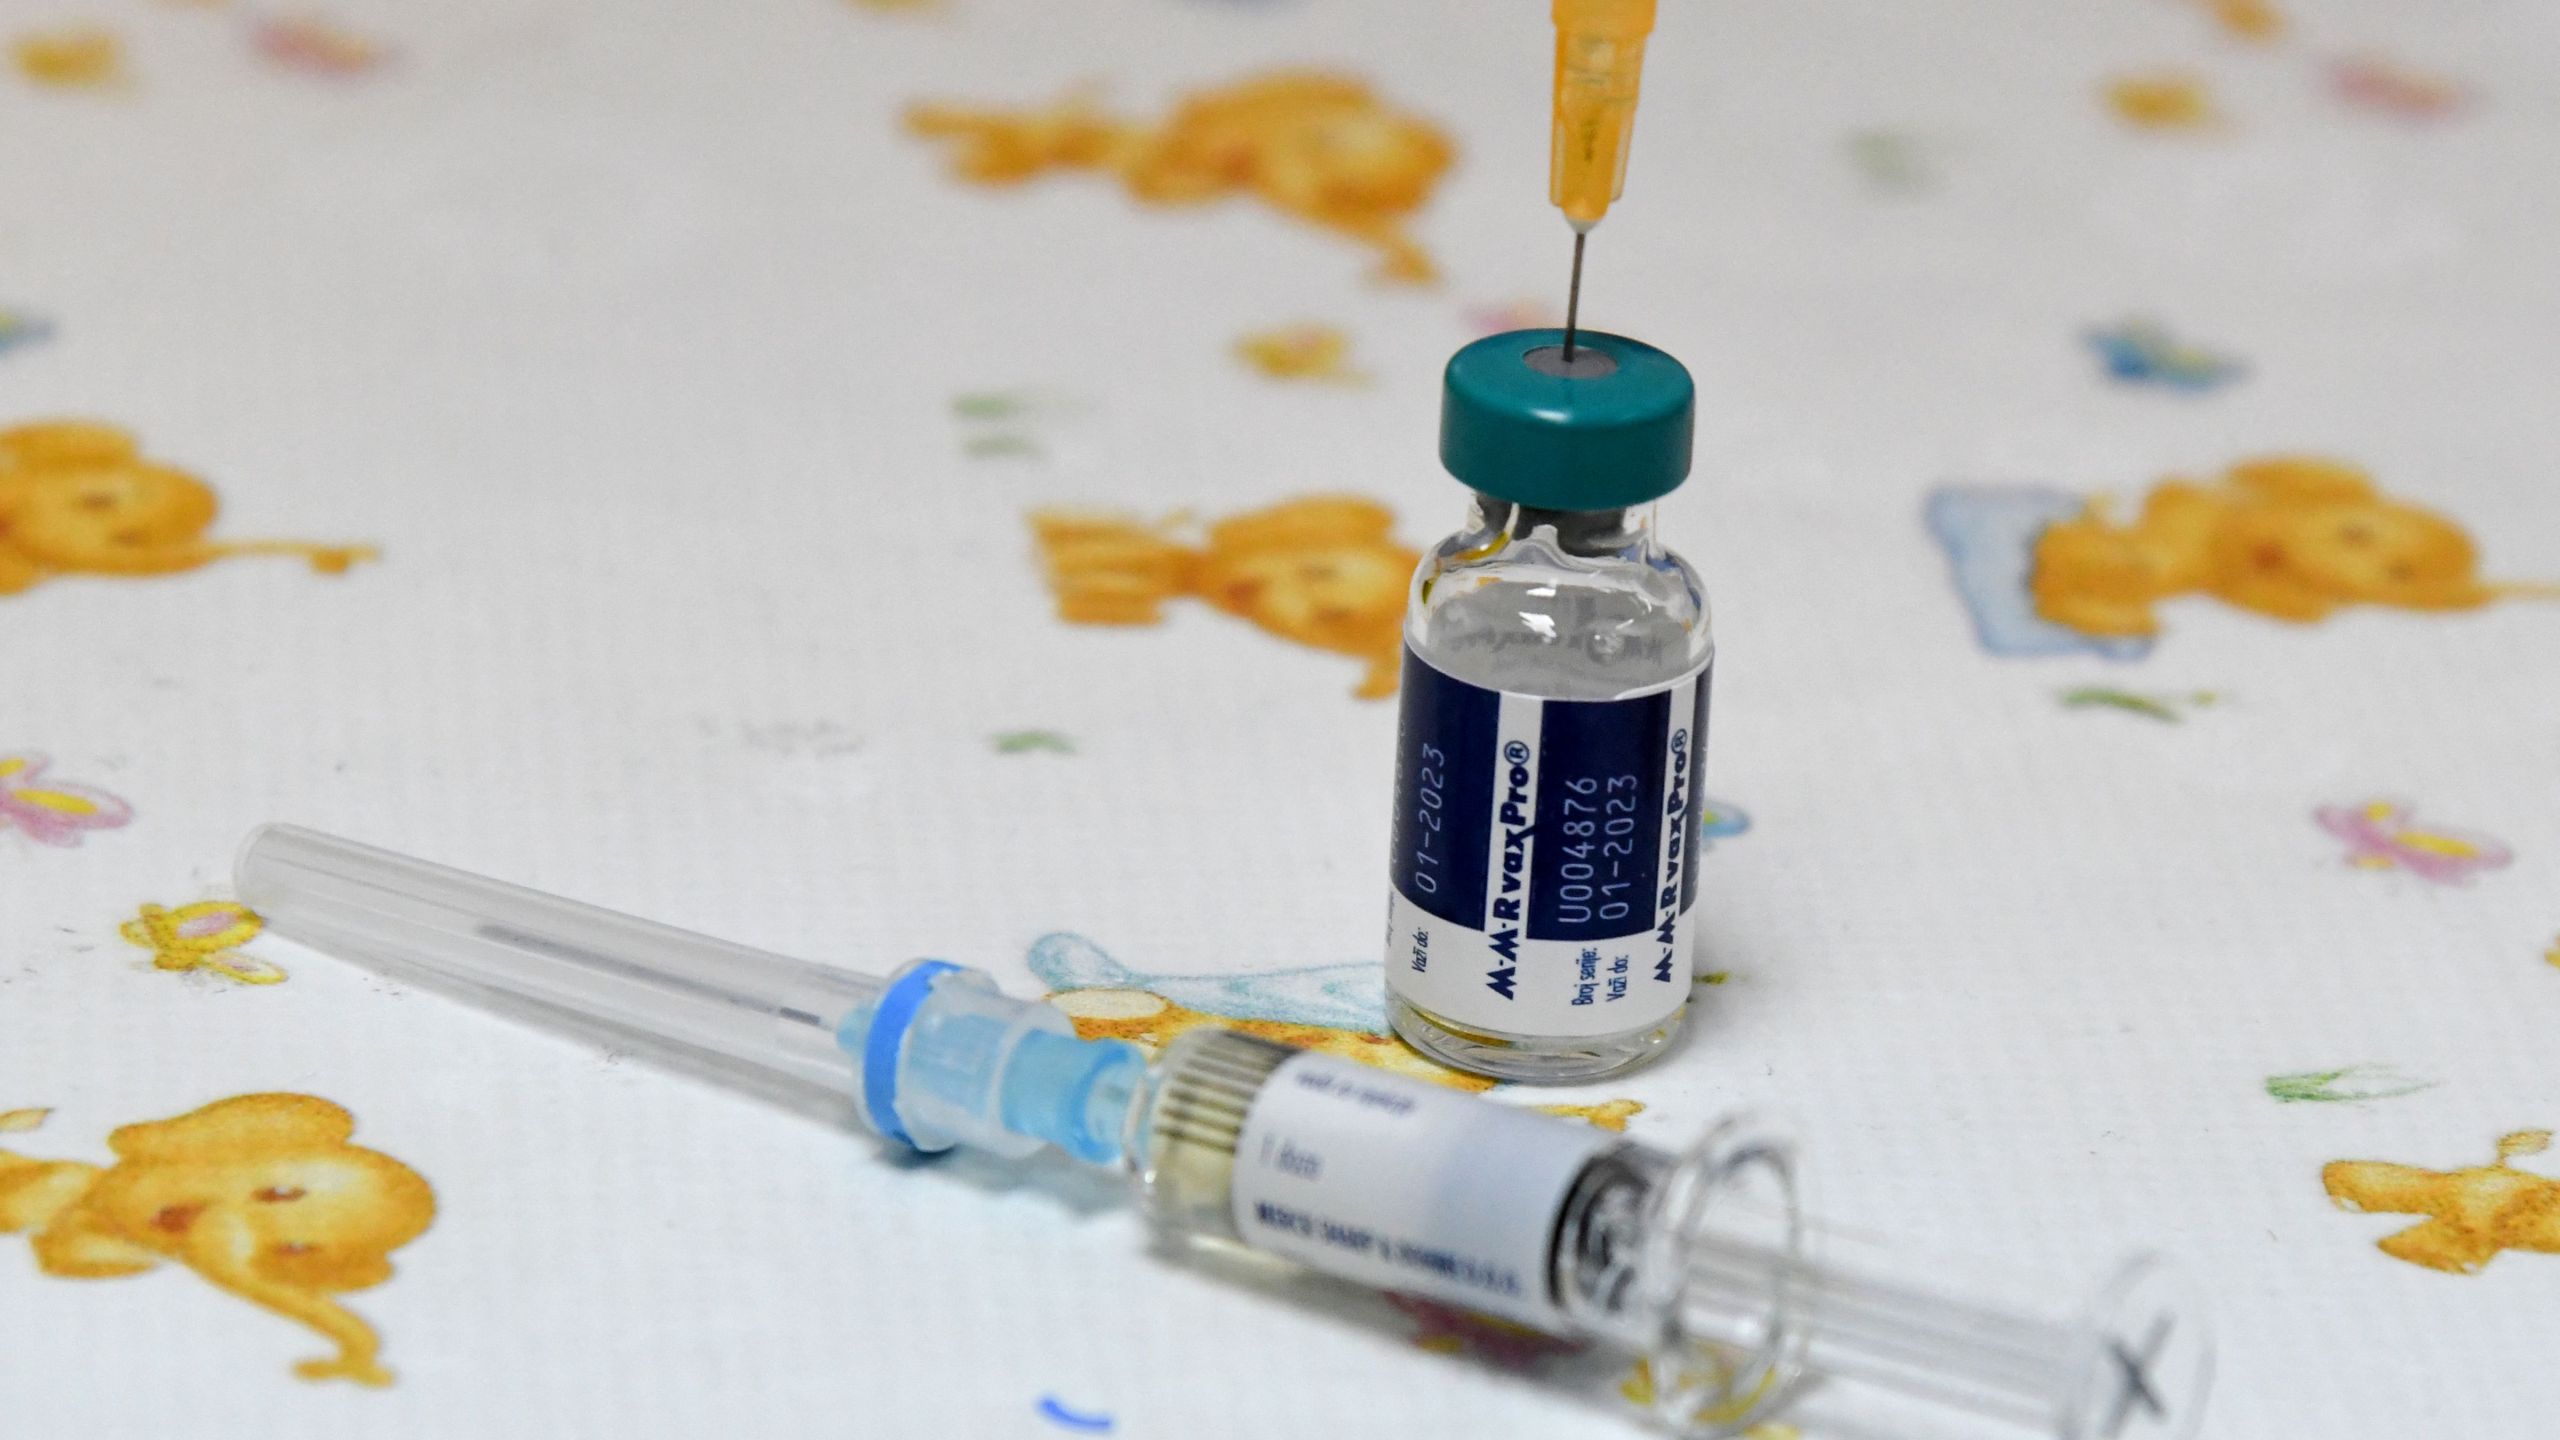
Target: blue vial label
{"type": "Point", "coordinates": [1542, 863]}
{"type": "Point", "coordinates": [1692, 839]}
{"type": "Point", "coordinates": [1599, 807]}
{"type": "Point", "coordinates": [1445, 784]}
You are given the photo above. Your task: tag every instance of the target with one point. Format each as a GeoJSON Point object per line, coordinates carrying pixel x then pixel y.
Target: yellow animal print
{"type": "Point", "coordinates": [1322, 571]}
{"type": "Point", "coordinates": [2289, 537]}
{"type": "Point", "coordinates": [2163, 102]}
{"type": "Point", "coordinates": [1302, 352]}
{"type": "Point", "coordinates": [204, 936]}
{"type": "Point", "coordinates": [2248, 19]}
{"type": "Point", "coordinates": [2472, 1214]}
{"type": "Point", "coordinates": [77, 498]}
{"type": "Point", "coordinates": [261, 1195]}
{"type": "Point", "coordinates": [1149, 1021]}
{"type": "Point", "coordinates": [1718, 1379]}
{"type": "Point", "coordinates": [1610, 1115]}
{"type": "Point", "coordinates": [81, 59]}
{"type": "Point", "coordinates": [1317, 147]}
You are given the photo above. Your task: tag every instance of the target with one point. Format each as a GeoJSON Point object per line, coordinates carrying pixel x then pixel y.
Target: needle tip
{"type": "Point", "coordinates": [1573, 296]}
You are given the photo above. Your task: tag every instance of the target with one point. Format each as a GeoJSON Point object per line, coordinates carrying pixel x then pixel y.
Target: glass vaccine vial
{"type": "Point", "coordinates": [1554, 722]}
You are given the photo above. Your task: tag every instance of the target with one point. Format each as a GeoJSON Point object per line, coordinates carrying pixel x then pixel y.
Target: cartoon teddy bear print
{"type": "Point", "coordinates": [1322, 571]}
{"type": "Point", "coordinates": [1321, 148]}
{"type": "Point", "coordinates": [78, 498]}
{"type": "Point", "coordinates": [2289, 537]}
{"type": "Point", "coordinates": [261, 1195]}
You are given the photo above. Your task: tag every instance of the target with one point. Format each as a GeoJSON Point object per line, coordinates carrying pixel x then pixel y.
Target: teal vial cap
{"type": "Point", "coordinates": [1610, 429]}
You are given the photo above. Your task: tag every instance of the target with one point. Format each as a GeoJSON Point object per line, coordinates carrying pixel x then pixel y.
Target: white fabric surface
{"type": "Point", "coordinates": [629, 331]}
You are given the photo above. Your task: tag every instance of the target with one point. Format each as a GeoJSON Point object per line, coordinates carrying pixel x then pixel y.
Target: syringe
{"type": "Point", "coordinates": [1599, 69]}
{"type": "Point", "coordinates": [1692, 1261]}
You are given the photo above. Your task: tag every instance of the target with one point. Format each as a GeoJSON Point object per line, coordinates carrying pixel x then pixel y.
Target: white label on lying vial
{"type": "Point", "coordinates": [1545, 855]}
{"type": "Point", "coordinates": [1410, 1186]}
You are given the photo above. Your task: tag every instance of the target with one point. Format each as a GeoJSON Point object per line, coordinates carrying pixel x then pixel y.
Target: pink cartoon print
{"type": "Point", "coordinates": [53, 813]}
{"type": "Point", "coordinates": [2370, 82]}
{"type": "Point", "coordinates": [2381, 835]}
{"type": "Point", "coordinates": [315, 46]}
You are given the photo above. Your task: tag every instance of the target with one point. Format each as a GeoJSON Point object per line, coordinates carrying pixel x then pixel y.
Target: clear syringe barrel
{"type": "Point", "coordinates": [932, 1055]}
{"type": "Point", "coordinates": [1695, 1261]}
{"type": "Point", "coordinates": [728, 1004]}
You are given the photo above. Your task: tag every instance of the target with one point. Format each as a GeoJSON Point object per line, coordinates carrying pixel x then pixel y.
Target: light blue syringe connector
{"type": "Point", "coordinates": [934, 1056]}
{"type": "Point", "coordinates": [942, 1058]}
